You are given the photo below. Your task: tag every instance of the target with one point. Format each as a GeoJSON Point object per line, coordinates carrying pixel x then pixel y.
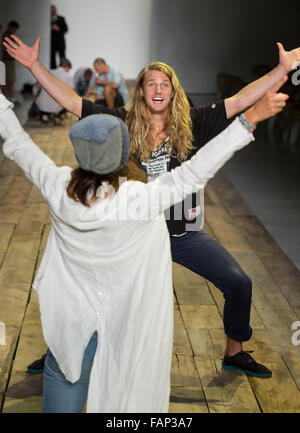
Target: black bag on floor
{"type": "Point", "coordinates": [33, 112]}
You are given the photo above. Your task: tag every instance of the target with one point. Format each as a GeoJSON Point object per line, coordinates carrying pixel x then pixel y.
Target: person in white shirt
{"type": "Point", "coordinates": [106, 271]}
{"type": "Point", "coordinates": [48, 107]}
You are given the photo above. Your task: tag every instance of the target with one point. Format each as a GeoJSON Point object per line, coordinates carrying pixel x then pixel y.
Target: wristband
{"type": "Point", "coordinates": [246, 124]}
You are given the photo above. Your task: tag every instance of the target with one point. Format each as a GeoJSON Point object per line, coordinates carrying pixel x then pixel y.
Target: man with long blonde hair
{"type": "Point", "coordinates": [177, 124]}
{"type": "Point", "coordinates": [165, 131]}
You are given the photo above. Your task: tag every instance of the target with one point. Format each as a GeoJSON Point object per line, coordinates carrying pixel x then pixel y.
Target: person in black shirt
{"type": "Point", "coordinates": [164, 131]}
{"type": "Point", "coordinates": [58, 30]}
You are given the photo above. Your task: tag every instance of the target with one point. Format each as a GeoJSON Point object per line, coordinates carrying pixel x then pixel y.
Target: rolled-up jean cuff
{"type": "Point", "coordinates": [239, 337]}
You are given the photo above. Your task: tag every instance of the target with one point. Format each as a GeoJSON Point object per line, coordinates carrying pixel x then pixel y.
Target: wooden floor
{"type": "Point", "coordinates": [198, 382]}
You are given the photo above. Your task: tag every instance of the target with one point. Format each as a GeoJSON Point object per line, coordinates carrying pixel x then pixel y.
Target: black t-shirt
{"type": "Point", "coordinates": [207, 122]}
{"type": "Point", "coordinates": [158, 163]}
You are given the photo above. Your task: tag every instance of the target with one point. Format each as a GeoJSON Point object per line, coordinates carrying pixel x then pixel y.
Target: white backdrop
{"type": "Point", "coordinates": [117, 30]}
{"type": "Point", "coordinates": [199, 38]}
{"type": "Point", "coordinates": [33, 17]}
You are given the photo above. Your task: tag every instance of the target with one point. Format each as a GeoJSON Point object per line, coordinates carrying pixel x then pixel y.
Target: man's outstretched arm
{"type": "Point", "coordinates": [29, 57]}
{"type": "Point", "coordinates": [255, 90]}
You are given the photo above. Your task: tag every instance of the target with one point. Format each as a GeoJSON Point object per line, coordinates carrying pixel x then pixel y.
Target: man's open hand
{"type": "Point", "coordinates": [288, 59]}
{"type": "Point", "coordinates": [21, 52]}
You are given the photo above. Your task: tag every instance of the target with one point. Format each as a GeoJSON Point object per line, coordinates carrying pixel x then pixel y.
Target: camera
{"type": "Point", "coordinates": [2, 74]}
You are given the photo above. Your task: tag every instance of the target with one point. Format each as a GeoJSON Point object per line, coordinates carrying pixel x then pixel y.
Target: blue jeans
{"type": "Point", "coordinates": [202, 254]}
{"type": "Point", "coordinates": [61, 396]}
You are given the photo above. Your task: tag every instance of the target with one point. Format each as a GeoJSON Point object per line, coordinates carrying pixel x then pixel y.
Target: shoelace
{"type": "Point", "coordinates": [248, 357]}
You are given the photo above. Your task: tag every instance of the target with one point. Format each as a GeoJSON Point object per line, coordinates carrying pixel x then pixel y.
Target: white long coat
{"type": "Point", "coordinates": [108, 268]}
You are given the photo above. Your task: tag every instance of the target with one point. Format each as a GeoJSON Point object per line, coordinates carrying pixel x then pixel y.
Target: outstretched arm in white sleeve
{"type": "Point", "coordinates": [19, 147]}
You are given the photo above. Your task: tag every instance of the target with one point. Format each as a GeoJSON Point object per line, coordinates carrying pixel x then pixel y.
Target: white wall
{"type": "Point", "coordinates": [199, 38]}
{"type": "Point", "coordinates": [34, 19]}
{"type": "Point", "coordinates": [117, 30]}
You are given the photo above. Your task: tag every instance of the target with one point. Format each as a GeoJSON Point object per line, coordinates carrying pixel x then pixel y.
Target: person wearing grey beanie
{"type": "Point", "coordinates": [105, 279]}
{"type": "Point", "coordinates": [101, 146]}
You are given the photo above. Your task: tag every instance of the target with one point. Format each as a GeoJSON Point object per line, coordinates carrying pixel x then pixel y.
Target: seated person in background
{"type": "Point", "coordinates": [111, 87]}
{"type": "Point", "coordinates": [47, 106]}
{"type": "Point", "coordinates": [84, 81]}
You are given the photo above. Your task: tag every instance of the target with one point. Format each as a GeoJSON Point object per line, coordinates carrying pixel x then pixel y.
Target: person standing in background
{"type": "Point", "coordinates": [58, 30]}
{"type": "Point", "coordinates": [9, 62]}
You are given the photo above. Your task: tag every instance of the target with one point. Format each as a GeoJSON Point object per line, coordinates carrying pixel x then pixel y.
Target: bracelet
{"type": "Point", "coordinates": [246, 124]}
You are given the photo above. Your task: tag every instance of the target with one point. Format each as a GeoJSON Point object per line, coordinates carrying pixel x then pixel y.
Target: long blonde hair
{"type": "Point", "coordinates": [178, 123]}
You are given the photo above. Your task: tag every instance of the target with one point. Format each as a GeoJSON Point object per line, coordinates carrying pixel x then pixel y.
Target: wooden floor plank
{"type": "Point", "coordinates": [188, 371]}
{"type": "Point", "coordinates": [176, 378]}
{"type": "Point", "coordinates": [181, 343]}
{"type": "Point", "coordinates": [17, 193]}
{"type": "Point", "coordinates": [278, 393]}
{"type": "Point", "coordinates": [225, 391]}
{"type": "Point", "coordinates": [5, 182]}
{"type": "Point", "coordinates": [8, 168]}
{"type": "Point", "coordinates": [35, 196]}
{"type": "Point", "coordinates": [227, 194]}
{"type": "Point", "coordinates": [16, 276]}
{"type": "Point", "coordinates": [201, 316]}
{"type": "Point", "coordinates": [33, 220]}
{"type": "Point", "coordinates": [6, 231]}
{"type": "Point", "coordinates": [24, 393]}
{"type": "Point", "coordinates": [7, 352]}
{"type": "Point", "coordinates": [187, 399]}
{"type": "Point", "coordinates": [287, 341]}
{"type": "Point", "coordinates": [224, 227]}
{"type": "Point", "coordinates": [190, 288]}
{"type": "Point", "coordinates": [10, 214]}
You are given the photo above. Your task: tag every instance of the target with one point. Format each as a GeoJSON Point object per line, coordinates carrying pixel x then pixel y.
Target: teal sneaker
{"type": "Point", "coordinates": [37, 366]}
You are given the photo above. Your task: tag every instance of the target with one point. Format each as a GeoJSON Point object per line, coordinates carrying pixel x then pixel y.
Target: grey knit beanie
{"type": "Point", "coordinates": [101, 143]}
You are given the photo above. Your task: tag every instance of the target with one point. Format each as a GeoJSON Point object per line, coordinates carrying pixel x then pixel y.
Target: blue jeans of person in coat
{"type": "Point", "coordinates": [200, 253]}
{"type": "Point", "coordinates": [61, 396]}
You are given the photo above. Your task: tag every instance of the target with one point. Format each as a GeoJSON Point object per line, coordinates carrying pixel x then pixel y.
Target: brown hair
{"type": "Point", "coordinates": [84, 184]}
{"type": "Point", "coordinates": [99, 61]}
